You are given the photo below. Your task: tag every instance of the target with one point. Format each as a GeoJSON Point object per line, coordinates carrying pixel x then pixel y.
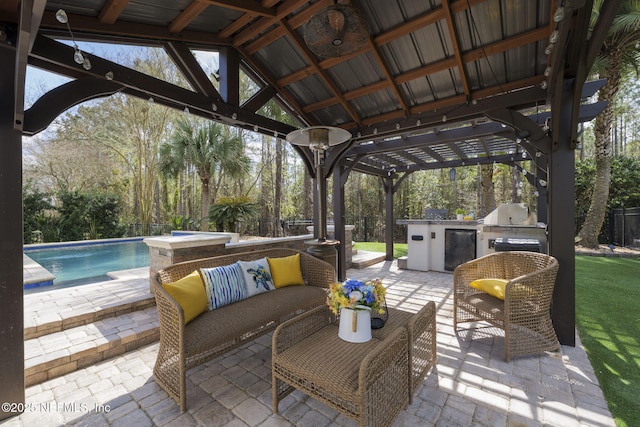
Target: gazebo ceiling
{"type": "Point", "coordinates": [433, 87]}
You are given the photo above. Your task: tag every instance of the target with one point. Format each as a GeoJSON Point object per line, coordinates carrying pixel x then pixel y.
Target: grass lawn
{"type": "Point", "coordinates": [399, 249]}
{"type": "Point", "coordinates": [608, 318]}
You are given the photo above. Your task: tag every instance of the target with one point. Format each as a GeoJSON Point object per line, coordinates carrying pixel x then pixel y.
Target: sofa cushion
{"type": "Point", "coordinates": [224, 285]}
{"type": "Point", "coordinates": [218, 328]}
{"type": "Point", "coordinates": [286, 271]}
{"type": "Point", "coordinates": [257, 276]}
{"type": "Point", "coordinates": [189, 292]}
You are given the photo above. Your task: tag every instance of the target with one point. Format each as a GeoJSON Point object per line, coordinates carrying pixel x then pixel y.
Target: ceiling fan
{"type": "Point", "coordinates": [337, 30]}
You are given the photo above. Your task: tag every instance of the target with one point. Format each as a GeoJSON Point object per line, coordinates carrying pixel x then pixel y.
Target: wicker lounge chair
{"type": "Point", "coordinates": [524, 314]}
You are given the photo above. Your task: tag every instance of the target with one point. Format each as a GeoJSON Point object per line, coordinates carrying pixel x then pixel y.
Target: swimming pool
{"type": "Point", "coordinates": [80, 263]}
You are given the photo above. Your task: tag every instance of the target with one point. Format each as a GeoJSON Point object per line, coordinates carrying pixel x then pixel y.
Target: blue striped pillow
{"type": "Point", "coordinates": [224, 285]}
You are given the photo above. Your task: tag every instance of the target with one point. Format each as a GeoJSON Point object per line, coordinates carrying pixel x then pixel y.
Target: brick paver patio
{"type": "Point", "coordinates": [471, 385]}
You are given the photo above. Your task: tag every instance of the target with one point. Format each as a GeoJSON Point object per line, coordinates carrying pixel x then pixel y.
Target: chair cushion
{"type": "Point", "coordinates": [286, 271]}
{"type": "Point", "coordinates": [257, 276]}
{"type": "Point", "coordinates": [494, 287]}
{"type": "Point", "coordinates": [189, 292]}
{"type": "Point", "coordinates": [224, 285]}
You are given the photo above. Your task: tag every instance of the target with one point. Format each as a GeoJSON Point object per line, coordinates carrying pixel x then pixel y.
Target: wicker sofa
{"type": "Point", "coordinates": [524, 314]}
{"type": "Point", "coordinates": [215, 332]}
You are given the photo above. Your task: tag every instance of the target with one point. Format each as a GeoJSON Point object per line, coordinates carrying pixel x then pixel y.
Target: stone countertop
{"type": "Point", "coordinates": [436, 221]}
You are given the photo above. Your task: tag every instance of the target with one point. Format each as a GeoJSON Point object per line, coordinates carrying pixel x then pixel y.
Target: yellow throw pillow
{"type": "Point", "coordinates": [190, 294]}
{"type": "Point", "coordinates": [494, 287]}
{"type": "Point", "coordinates": [286, 271]}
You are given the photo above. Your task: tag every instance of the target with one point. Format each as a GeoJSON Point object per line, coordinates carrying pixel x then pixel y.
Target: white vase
{"type": "Point", "coordinates": [460, 217]}
{"type": "Point", "coordinates": [355, 324]}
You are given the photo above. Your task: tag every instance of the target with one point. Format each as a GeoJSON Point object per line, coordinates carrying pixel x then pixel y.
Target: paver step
{"type": "Point", "coordinates": [56, 310]}
{"type": "Point", "coordinates": [59, 353]}
{"type": "Point", "coordinates": [365, 259]}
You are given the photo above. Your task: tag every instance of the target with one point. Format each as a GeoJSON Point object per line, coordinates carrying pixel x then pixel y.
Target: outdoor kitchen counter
{"type": "Point", "coordinates": [442, 245]}
{"type": "Point", "coordinates": [439, 245]}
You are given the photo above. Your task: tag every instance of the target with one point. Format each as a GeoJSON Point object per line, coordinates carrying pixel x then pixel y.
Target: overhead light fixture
{"type": "Point", "coordinates": [337, 30]}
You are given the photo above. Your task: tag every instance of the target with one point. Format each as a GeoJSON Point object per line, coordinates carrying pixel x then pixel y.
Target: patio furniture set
{"type": "Point", "coordinates": [370, 382]}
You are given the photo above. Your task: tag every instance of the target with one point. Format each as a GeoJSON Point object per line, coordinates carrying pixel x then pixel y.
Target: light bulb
{"type": "Point", "coordinates": [543, 182]}
{"type": "Point", "coordinates": [549, 49]}
{"type": "Point", "coordinates": [547, 71]}
{"type": "Point", "coordinates": [554, 36]}
{"type": "Point", "coordinates": [544, 84]}
{"type": "Point", "coordinates": [524, 154]}
{"type": "Point", "coordinates": [151, 100]}
{"type": "Point", "coordinates": [109, 75]}
{"type": "Point", "coordinates": [61, 16]}
{"type": "Point", "coordinates": [78, 57]}
{"type": "Point", "coordinates": [444, 118]}
{"type": "Point", "coordinates": [535, 193]}
{"type": "Point", "coordinates": [186, 110]}
{"type": "Point", "coordinates": [559, 15]}
{"type": "Point", "coordinates": [86, 64]}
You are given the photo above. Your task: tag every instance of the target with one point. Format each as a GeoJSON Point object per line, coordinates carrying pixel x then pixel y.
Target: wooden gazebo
{"type": "Point", "coordinates": [432, 85]}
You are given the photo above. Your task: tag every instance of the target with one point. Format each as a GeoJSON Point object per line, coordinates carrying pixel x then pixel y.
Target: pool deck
{"type": "Point", "coordinates": [35, 273]}
{"type": "Point", "coordinates": [471, 384]}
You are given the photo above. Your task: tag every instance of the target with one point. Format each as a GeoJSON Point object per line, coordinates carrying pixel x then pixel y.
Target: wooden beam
{"type": "Point", "coordinates": [263, 23]}
{"type": "Point", "coordinates": [189, 14]}
{"type": "Point", "coordinates": [112, 10]}
{"type": "Point", "coordinates": [456, 48]}
{"type": "Point", "coordinates": [53, 103]}
{"type": "Point", "coordinates": [191, 69]}
{"type": "Point", "coordinates": [247, 6]}
{"type": "Point", "coordinates": [125, 32]}
{"type": "Point", "coordinates": [260, 98]}
{"type": "Point", "coordinates": [311, 58]}
{"type": "Point", "coordinates": [244, 20]}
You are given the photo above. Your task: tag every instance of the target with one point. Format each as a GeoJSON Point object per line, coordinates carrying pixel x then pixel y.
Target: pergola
{"type": "Point", "coordinates": [437, 84]}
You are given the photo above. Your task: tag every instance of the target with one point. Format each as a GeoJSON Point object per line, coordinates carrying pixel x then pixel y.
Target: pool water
{"type": "Point", "coordinates": [88, 263]}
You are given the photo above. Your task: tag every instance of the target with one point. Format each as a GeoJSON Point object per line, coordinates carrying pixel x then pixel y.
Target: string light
{"type": "Point", "coordinates": [79, 57]}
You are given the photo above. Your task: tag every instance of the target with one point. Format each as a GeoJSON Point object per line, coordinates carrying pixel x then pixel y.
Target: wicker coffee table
{"type": "Point", "coordinates": [370, 382]}
{"type": "Point", "coordinates": [421, 328]}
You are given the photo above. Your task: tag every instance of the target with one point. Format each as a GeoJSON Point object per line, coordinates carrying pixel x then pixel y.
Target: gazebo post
{"type": "Point", "coordinates": [11, 280]}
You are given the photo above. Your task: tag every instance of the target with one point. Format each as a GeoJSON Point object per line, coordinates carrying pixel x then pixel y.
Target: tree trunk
{"type": "Point", "coordinates": [488, 190]}
{"type": "Point", "coordinates": [588, 235]}
{"type": "Point", "coordinates": [277, 231]}
{"type": "Point", "coordinates": [206, 204]}
{"type": "Point", "coordinates": [308, 195]}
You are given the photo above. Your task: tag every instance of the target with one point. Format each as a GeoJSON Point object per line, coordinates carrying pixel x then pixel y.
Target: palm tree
{"type": "Point", "coordinates": [618, 52]}
{"type": "Point", "coordinates": [211, 150]}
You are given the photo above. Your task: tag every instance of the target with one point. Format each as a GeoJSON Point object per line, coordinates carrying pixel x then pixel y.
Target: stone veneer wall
{"type": "Point", "coordinates": [167, 250]}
